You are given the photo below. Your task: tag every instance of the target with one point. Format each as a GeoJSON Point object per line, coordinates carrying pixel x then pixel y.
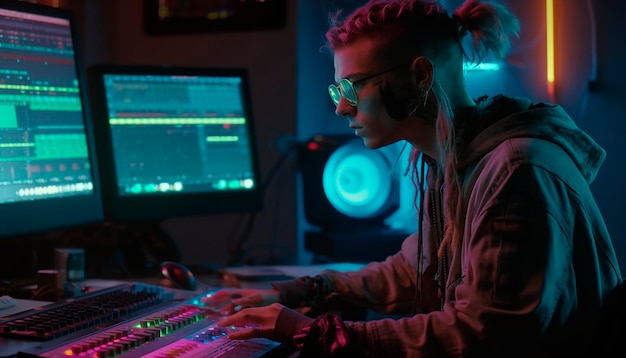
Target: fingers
{"type": "Point", "coordinates": [257, 298]}
{"type": "Point", "coordinates": [253, 300]}
{"type": "Point", "coordinates": [243, 333]}
{"type": "Point", "coordinates": [221, 301]}
{"type": "Point", "coordinates": [251, 332]}
{"type": "Point", "coordinates": [238, 319]}
{"type": "Point", "coordinates": [224, 308]}
{"type": "Point", "coordinates": [227, 305]}
{"type": "Point", "coordinates": [246, 325]}
{"type": "Point", "coordinates": [218, 296]}
{"type": "Point", "coordinates": [229, 301]}
{"type": "Point", "coordinates": [257, 316]}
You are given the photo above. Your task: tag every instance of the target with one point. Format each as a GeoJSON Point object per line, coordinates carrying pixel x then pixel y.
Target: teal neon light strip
{"type": "Point", "coordinates": [489, 66]}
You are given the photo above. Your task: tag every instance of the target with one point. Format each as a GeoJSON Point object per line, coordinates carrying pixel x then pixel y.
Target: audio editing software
{"type": "Point", "coordinates": [43, 148]}
{"type": "Point", "coordinates": [178, 133]}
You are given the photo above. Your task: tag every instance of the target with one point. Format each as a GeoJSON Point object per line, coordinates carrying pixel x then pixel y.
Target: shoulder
{"type": "Point", "coordinates": [524, 158]}
{"type": "Point", "coordinates": [514, 152]}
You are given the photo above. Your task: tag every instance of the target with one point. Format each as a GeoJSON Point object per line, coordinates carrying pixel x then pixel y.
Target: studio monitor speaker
{"type": "Point", "coordinates": [346, 186]}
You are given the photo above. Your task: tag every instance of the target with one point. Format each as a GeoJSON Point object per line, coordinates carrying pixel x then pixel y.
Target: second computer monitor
{"type": "Point", "coordinates": [175, 141]}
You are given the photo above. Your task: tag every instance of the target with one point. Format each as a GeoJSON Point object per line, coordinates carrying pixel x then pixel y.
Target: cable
{"type": "Point", "coordinates": [236, 251]}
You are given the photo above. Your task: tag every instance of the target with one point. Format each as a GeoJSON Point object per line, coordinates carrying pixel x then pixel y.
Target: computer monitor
{"type": "Point", "coordinates": [174, 142]}
{"type": "Point", "coordinates": [48, 168]}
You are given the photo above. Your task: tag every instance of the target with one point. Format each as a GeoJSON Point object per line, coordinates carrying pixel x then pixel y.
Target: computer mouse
{"type": "Point", "coordinates": [179, 275]}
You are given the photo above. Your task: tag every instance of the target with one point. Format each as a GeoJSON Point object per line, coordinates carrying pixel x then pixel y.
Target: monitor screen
{"type": "Point", "coordinates": [48, 171]}
{"type": "Point", "coordinates": [174, 141]}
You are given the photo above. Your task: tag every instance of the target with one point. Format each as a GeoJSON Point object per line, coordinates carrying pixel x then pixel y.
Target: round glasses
{"type": "Point", "coordinates": [345, 87]}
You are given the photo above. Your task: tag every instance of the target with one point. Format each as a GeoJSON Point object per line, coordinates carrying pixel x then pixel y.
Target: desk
{"type": "Point", "coordinates": [294, 270]}
{"type": "Point", "coordinates": [177, 301]}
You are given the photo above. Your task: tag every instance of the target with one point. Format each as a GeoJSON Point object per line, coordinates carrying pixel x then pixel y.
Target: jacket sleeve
{"type": "Point", "coordinates": [324, 336]}
{"type": "Point", "coordinates": [387, 287]}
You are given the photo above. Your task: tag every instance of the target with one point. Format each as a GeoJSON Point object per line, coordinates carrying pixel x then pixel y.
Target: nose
{"type": "Point", "coordinates": [344, 109]}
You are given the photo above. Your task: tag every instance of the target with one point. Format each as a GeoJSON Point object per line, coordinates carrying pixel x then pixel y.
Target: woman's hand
{"type": "Point", "coordinates": [257, 322]}
{"type": "Point", "coordinates": [227, 301]}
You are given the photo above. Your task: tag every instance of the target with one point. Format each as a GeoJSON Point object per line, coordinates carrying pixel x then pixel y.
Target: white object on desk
{"type": "Point", "coordinates": [6, 302]}
{"type": "Point", "coordinates": [21, 305]}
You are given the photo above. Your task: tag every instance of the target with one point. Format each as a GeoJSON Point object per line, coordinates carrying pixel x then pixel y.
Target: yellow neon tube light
{"type": "Point", "coordinates": [550, 45]}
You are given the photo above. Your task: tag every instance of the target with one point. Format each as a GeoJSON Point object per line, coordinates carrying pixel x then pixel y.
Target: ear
{"type": "Point", "coordinates": [422, 70]}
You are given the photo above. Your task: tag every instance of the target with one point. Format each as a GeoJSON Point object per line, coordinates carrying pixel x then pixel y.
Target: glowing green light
{"type": "Point", "coordinates": [222, 138]}
{"type": "Point", "coordinates": [16, 145]}
{"type": "Point", "coordinates": [176, 120]}
{"type": "Point", "coordinates": [135, 189]}
{"type": "Point", "coordinates": [234, 184]}
{"type": "Point", "coordinates": [221, 184]}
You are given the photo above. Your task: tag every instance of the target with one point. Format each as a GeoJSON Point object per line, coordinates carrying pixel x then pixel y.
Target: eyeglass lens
{"type": "Point", "coordinates": [345, 89]}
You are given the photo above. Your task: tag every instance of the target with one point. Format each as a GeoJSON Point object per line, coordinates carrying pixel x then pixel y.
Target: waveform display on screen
{"type": "Point", "coordinates": [43, 145]}
{"type": "Point", "coordinates": [178, 134]}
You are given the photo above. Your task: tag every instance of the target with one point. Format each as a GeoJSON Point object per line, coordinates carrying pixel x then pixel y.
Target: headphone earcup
{"type": "Point", "coordinates": [397, 107]}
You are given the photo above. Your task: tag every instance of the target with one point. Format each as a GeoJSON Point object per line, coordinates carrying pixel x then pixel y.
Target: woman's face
{"type": "Point", "coordinates": [385, 102]}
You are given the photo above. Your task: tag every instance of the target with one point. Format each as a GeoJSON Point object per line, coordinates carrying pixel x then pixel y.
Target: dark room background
{"type": "Point", "coordinates": [289, 76]}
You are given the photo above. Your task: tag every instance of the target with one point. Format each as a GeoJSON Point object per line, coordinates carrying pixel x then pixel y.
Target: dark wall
{"type": "Point", "coordinates": [592, 86]}
{"type": "Point", "coordinates": [603, 109]}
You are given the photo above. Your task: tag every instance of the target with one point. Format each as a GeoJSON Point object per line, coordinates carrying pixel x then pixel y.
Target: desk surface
{"type": "Point", "coordinates": [261, 276]}
{"type": "Point", "coordinates": [246, 276]}
{"type": "Point", "coordinates": [291, 271]}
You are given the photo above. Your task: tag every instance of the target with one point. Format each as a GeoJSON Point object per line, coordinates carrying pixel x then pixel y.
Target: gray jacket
{"type": "Point", "coordinates": [535, 263]}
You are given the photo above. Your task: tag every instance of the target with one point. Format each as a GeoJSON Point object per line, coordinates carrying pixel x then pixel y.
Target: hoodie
{"type": "Point", "coordinates": [529, 278]}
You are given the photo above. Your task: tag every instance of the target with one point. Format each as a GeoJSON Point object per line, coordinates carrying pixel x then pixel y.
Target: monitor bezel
{"type": "Point", "coordinates": [38, 216]}
{"type": "Point", "coordinates": [167, 206]}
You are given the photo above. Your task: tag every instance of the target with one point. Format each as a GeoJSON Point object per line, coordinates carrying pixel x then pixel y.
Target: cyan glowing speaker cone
{"type": "Point", "coordinates": [346, 185]}
{"type": "Point", "coordinates": [357, 181]}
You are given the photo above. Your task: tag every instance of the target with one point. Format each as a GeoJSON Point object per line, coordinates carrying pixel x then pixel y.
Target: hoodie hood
{"type": "Point", "coordinates": [504, 118]}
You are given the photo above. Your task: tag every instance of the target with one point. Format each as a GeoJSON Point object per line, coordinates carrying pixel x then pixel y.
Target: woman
{"type": "Point", "coordinates": [512, 257]}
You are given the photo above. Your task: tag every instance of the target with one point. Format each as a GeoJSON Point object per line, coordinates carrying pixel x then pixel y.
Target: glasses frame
{"type": "Point", "coordinates": [338, 90]}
